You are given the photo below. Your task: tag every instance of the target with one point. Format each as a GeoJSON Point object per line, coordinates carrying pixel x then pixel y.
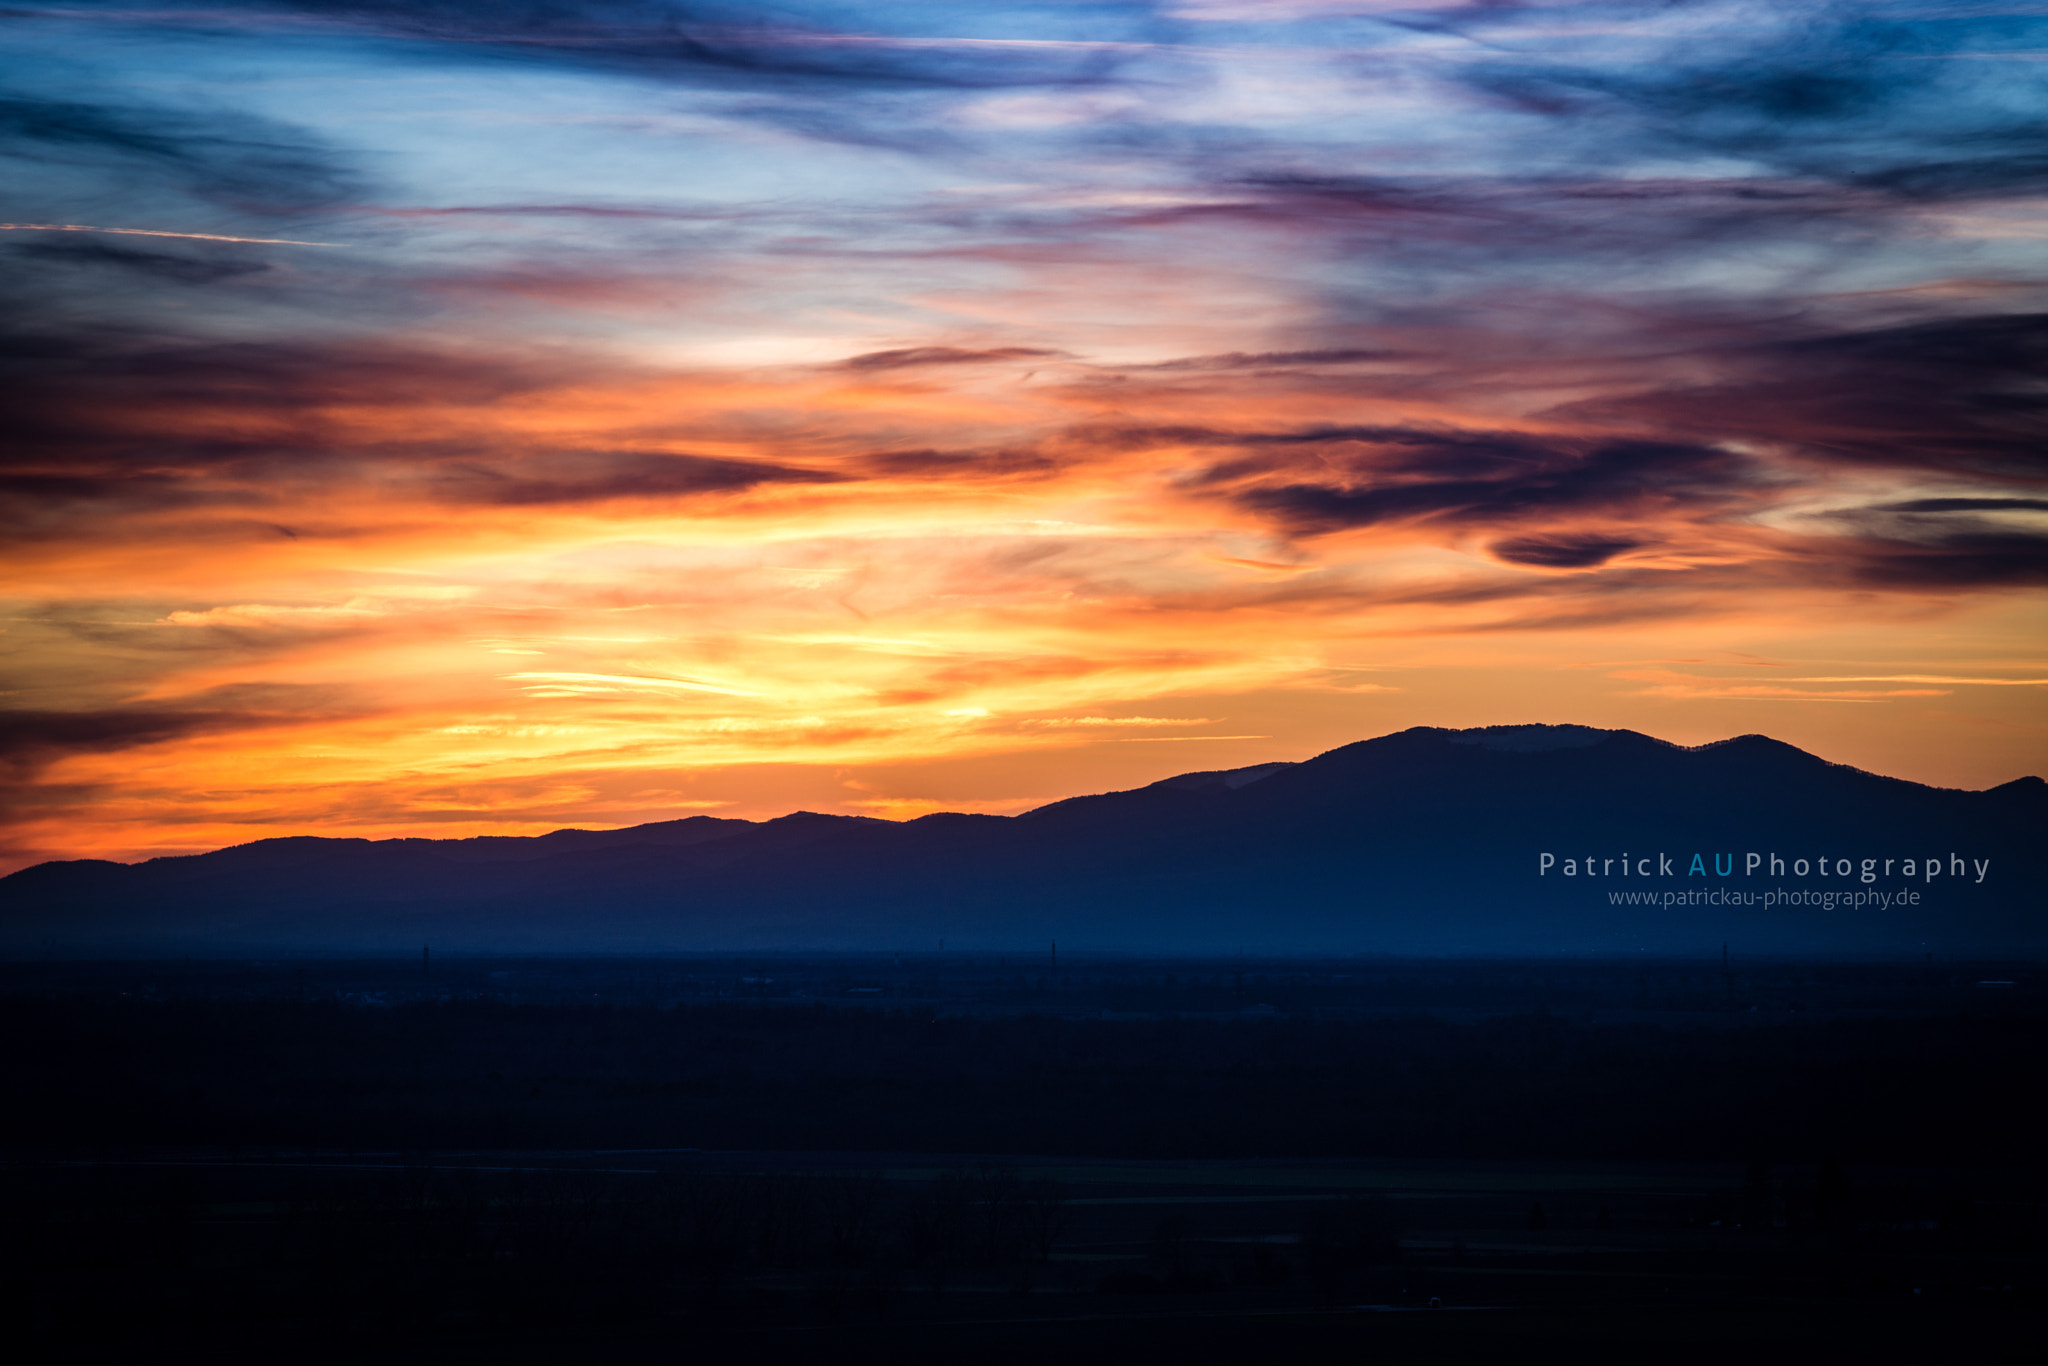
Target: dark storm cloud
{"type": "Point", "coordinates": [1966, 505]}
{"type": "Point", "coordinates": [1417, 448]}
{"type": "Point", "coordinates": [1960, 397]}
{"type": "Point", "coordinates": [36, 506]}
{"type": "Point", "coordinates": [1966, 395]}
{"type": "Point", "coordinates": [1561, 552]}
{"type": "Point", "coordinates": [1788, 407]}
{"type": "Point", "coordinates": [79, 395]}
{"type": "Point", "coordinates": [911, 357]}
{"type": "Point", "coordinates": [1392, 447]}
{"type": "Point", "coordinates": [997, 464]}
{"type": "Point", "coordinates": [1426, 240]}
{"type": "Point", "coordinates": [33, 739]}
{"type": "Point", "coordinates": [1381, 475]}
{"type": "Point", "coordinates": [738, 44]}
{"type": "Point", "coordinates": [1281, 360]}
{"type": "Point", "coordinates": [1966, 559]}
{"type": "Point", "coordinates": [1944, 543]}
{"type": "Point", "coordinates": [97, 426]}
{"type": "Point", "coordinates": [1824, 125]}
{"type": "Point", "coordinates": [160, 265]}
{"type": "Point", "coordinates": [820, 71]}
{"type": "Point", "coordinates": [589, 477]}
{"type": "Point", "coordinates": [2004, 176]}
{"type": "Point", "coordinates": [90, 431]}
{"type": "Point", "coordinates": [1513, 478]}
{"type": "Point", "coordinates": [1833, 91]}
{"type": "Point", "coordinates": [221, 156]}
{"type": "Point", "coordinates": [1541, 217]}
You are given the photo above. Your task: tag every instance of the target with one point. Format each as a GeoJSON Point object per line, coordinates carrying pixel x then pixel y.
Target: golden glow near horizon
{"type": "Point", "coordinates": [984, 459]}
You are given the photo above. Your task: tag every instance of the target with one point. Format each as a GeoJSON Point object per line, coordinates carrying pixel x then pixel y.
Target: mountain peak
{"type": "Point", "coordinates": [1533, 739]}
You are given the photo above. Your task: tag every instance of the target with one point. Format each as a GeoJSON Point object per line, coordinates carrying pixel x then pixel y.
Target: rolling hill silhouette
{"type": "Point", "coordinates": [1428, 841]}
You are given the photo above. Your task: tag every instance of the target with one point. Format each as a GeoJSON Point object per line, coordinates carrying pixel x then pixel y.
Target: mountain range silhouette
{"type": "Point", "coordinates": [1426, 841]}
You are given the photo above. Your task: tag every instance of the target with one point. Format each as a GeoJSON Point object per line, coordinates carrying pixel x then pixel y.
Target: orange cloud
{"type": "Point", "coordinates": [396, 588]}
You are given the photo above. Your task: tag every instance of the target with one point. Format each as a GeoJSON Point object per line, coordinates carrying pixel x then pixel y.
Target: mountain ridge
{"type": "Point", "coordinates": [1423, 840]}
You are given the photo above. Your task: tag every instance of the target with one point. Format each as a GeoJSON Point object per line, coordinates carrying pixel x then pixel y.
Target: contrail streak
{"type": "Point", "coordinates": [152, 232]}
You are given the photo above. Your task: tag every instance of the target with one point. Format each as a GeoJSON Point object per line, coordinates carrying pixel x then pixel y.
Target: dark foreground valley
{"type": "Point", "coordinates": [1022, 1158]}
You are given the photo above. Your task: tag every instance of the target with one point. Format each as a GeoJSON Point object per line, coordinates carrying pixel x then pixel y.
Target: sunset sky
{"type": "Point", "coordinates": [462, 418]}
